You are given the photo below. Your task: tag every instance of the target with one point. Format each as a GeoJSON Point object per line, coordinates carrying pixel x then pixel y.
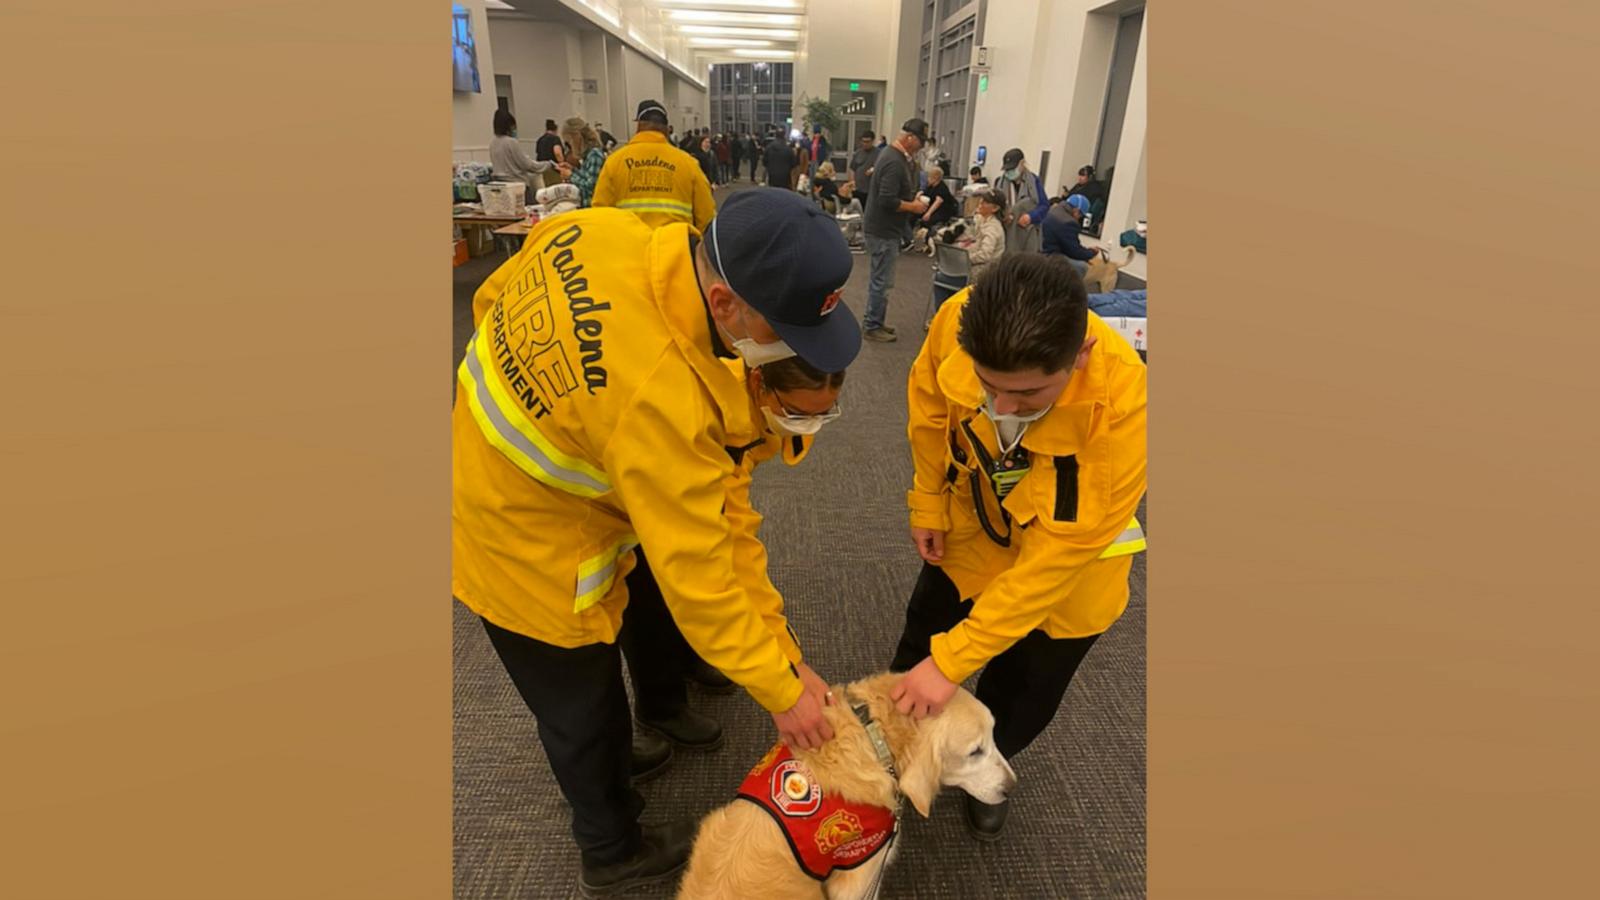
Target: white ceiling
{"type": "Point", "coordinates": [733, 30]}
{"type": "Point", "coordinates": [711, 31]}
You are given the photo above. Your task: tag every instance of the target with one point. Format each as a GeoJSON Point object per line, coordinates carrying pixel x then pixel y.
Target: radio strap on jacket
{"type": "Point", "coordinates": [1002, 477]}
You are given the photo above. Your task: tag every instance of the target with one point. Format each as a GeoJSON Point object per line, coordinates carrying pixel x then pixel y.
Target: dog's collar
{"type": "Point", "coordinates": [879, 745]}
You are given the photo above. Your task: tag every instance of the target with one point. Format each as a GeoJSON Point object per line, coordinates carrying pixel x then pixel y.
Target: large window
{"type": "Point", "coordinates": [944, 78]}
{"type": "Point", "coordinates": [751, 96]}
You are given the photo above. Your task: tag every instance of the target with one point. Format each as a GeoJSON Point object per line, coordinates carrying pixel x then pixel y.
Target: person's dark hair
{"type": "Point", "coordinates": [1027, 311]}
{"type": "Point", "coordinates": [504, 122]}
{"type": "Point", "coordinates": [549, 124]}
{"type": "Point", "coordinates": [1087, 170]}
{"type": "Point", "coordinates": [976, 171]}
{"type": "Point", "coordinates": [795, 374]}
{"type": "Point", "coordinates": [869, 136]}
{"type": "Point", "coordinates": [995, 197]}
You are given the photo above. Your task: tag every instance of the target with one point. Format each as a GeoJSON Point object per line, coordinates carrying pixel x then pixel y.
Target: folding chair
{"type": "Point", "coordinates": [951, 270]}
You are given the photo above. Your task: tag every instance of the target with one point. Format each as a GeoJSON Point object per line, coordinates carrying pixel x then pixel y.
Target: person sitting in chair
{"type": "Point", "coordinates": [989, 241]}
{"type": "Point", "coordinates": [941, 209]}
{"type": "Point", "coordinates": [1061, 228]}
{"type": "Point", "coordinates": [824, 190]}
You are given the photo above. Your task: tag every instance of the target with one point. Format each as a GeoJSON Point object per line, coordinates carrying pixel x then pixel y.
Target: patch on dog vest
{"type": "Point", "coordinates": [824, 832]}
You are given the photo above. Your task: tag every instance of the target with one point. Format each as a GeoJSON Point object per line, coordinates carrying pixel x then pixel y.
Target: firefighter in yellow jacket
{"type": "Point", "coordinates": [790, 402]}
{"type": "Point", "coordinates": [654, 180]}
{"type": "Point", "coordinates": [1027, 428]}
{"type": "Point", "coordinates": [594, 413]}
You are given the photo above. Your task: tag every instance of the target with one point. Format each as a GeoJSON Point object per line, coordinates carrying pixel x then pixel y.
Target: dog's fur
{"type": "Point", "coordinates": [1103, 271]}
{"type": "Point", "coordinates": [951, 231]}
{"type": "Point", "coordinates": [741, 854]}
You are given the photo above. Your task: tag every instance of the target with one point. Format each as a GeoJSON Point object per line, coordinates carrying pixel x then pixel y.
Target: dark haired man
{"type": "Point", "coordinates": [1027, 433]}
{"type": "Point", "coordinates": [654, 180]}
{"type": "Point", "coordinates": [861, 163]}
{"type": "Point", "coordinates": [550, 149]}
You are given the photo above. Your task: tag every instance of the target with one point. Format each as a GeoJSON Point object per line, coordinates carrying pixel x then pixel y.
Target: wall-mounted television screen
{"type": "Point", "coordinates": [466, 50]}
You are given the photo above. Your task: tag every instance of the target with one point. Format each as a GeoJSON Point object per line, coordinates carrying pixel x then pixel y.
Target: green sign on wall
{"type": "Point", "coordinates": [855, 85]}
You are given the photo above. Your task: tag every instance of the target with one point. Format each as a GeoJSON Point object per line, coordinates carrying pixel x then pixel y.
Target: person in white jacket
{"type": "Point", "coordinates": [989, 236]}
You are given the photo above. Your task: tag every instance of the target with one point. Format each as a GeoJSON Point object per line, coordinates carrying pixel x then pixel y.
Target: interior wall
{"type": "Point", "coordinates": [1047, 81]}
{"type": "Point", "coordinates": [901, 101]}
{"type": "Point", "coordinates": [592, 64]}
{"type": "Point", "coordinates": [617, 80]}
{"type": "Point", "coordinates": [854, 40]}
{"type": "Point", "coordinates": [1126, 203]}
{"type": "Point", "coordinates": [690, 106]}
{"type": "Point", "coordinates": [1119, 83]}
{"type": "Point", "coordinates": [473, 114]}
{"type": "Point", "coordinates": [642, 78]}
{"type": "Point", "coordinates": [535, 55]}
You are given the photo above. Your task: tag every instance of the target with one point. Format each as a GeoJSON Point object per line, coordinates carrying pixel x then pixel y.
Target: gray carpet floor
{"type": "Point", "coordinates": [836, 534]}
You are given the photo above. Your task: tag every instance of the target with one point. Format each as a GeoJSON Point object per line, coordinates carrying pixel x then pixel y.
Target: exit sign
{"type": "Point", "coordinates": [983, 83]}
{"type": "Point", "coordinates": [855, 85]}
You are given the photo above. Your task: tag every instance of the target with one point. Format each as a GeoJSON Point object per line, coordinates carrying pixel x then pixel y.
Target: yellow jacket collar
{"type": "Point", "coordinates": [649, 137]}
{"type": "Point", "coordinates": [676, 291]}
{"type": "Point", "coordinates": [1063, 430]}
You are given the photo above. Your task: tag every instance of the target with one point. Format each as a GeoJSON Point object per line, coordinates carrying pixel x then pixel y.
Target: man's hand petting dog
{"type": "Point", "coordinates": [803, 725]}
{"type": "Point", "coordinates": [923, 691]}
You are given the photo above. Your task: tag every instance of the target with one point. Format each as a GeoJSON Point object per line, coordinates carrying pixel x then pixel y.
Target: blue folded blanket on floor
{"type": "Point", "coordinates": [1131, 238]}
{"type": "Point", "coordinates": [1119, 304]}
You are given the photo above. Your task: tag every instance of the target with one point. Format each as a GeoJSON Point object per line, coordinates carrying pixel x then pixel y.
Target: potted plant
{"type": "Point", "coordinates": [818, 111]}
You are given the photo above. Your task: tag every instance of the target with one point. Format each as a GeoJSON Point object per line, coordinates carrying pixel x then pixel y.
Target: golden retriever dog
{"type": "Point", "coordinates": [741, 853]}
{"type": "Point", "coordinates": [1103, 271]}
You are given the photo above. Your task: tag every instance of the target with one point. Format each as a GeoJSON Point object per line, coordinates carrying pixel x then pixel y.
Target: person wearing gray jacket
{"type": "Point", "coordinates": [1026, 204]}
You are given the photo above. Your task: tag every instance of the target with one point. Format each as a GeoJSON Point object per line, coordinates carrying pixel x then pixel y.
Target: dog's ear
{"type": "Point", "coordinates": [920, 781]}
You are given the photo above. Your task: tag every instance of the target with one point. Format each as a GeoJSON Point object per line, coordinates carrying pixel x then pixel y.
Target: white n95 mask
{"type": "Point", "coordinates": [1012, 420]}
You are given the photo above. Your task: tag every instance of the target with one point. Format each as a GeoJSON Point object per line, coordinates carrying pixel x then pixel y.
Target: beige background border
{"type": "Point", "coordinates": [226, 659]}
{"type": "Point", "coordinates": [1373, 428]}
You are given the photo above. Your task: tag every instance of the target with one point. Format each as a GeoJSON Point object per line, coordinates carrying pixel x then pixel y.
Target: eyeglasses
{"type": "Point", "coordinates": [792, 414]}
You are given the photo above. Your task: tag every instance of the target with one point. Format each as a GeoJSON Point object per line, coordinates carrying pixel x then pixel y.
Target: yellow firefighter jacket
{"type": "Point", "coordinates": [591, 415]}
{"type": "Point", "coordinates": [750, 555]}
{"type": "Point", "coordinates": [1071, 517]}
{"type": "Point", "coordinates": [655, 181]}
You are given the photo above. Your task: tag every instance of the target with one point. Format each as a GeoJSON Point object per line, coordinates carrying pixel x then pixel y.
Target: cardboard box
{"type": "Point", "coordinates": [1134, 331]}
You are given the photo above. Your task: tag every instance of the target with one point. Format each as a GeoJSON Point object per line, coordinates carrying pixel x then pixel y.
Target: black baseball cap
{"type": "Point", "coordinates": [916, 127]}
{"type": "Point", "coordinates": [787, 258]}
{"type": "Point", "coordinates": [647, 107]}
{"type": "Point", "coordinates": [1013, 156]}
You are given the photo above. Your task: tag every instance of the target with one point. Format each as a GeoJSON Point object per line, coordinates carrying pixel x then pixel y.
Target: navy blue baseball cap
{"type": "Point", "coordinates": [787, 258]}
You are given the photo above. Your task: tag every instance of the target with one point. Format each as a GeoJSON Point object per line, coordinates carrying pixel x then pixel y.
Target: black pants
{"type": "Point", "coordinates": [753, 161]}
{"type": "Point", "coordinates": [1023, 686]}
{"type": "Point", "coordinates": [576, 694]}
{"type": "Point", "coordinates": [658, 656]}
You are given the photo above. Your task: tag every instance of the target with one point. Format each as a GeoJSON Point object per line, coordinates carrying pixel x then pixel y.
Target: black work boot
{"type": "Point", "coordinates": [985, 820]}
{"type": "Point", "coordinates": [709, 679]}
{"type": "Point", "coordinates": [663, 851]}
{"type": "Point", "coordinates": [652, 756]}
{"type": "Point", "coordinates": [686, 728]}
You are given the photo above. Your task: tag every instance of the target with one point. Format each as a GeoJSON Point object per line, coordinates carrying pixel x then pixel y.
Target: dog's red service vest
{"type": "Point", "coordinates": [824, 832]}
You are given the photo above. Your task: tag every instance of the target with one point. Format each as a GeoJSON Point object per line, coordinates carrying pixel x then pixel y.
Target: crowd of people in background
{"type": "Point", "coordinates": [893, 196]}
